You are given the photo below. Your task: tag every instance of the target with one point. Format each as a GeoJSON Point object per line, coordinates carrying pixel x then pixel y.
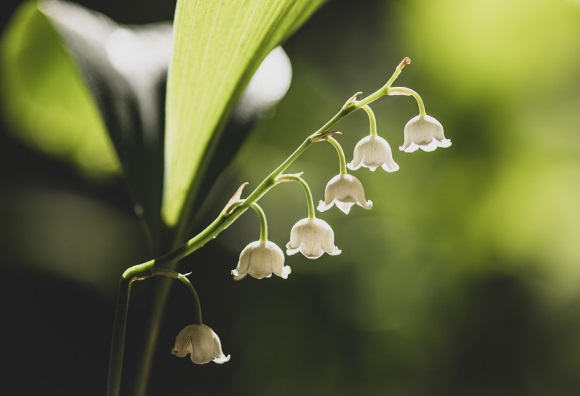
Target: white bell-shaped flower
{"type": "Point", "coordinates": [425, 133]}
{"type": "Point", "coordinates": [202, 343]}
{"type": "Point", "coordinates": [372, 152]}
{"type": "Point", "coordinates": [344, 191]}
{"type": "Point", "coordinates": [261, 259]}
{"type": "Point", "coordinates": [312, 237]}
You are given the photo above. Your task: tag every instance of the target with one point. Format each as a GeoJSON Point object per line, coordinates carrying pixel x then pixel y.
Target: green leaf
{"type": "Point", "coordinates": [78, 80]}
{"type": "Point", "coordinates": [125, 67]}
{"type": "Point", "coordinates": [218, 46]}
{"type": "Point", "coordinates": [45, 99]}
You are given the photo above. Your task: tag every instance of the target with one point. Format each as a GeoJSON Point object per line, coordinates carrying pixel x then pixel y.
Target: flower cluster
{"type": "Point", "coordinates": [312, 236]}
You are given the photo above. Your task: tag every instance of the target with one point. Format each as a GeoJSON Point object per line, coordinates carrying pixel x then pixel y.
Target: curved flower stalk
{"type": "Point", "coordinates": [312, 237]}
{"type": "Point", "coordinates": [344, 191]}
{"type": "Point", "coordinates": [424, 132]}
{"type": "Point", "coordinates": [202, 343]}
{"type": "Point", "coordinates": [261, 259]}
{"type": "Point", "coordinates": [372, 152]}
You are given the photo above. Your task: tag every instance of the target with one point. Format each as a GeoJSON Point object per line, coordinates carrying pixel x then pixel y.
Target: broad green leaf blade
{"type": "Point", "coordinates": [266, 88]}
{"type": "Point", "coordinates": [77, 79]}
{"type": "Point", "coordinates": [218, 46]}
{"type": "Point", "coordinates": [45, 99]}
{"type": "Point", "coordinates": [125, 68]}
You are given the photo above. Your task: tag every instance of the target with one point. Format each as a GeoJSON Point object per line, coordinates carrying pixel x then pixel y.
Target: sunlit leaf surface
{"type": "Point", "coordinates": [76, 82]}
{"type": "Point", "coordinates": [45, 98]}
{"type": "Point", "coordinates": [218, 46]}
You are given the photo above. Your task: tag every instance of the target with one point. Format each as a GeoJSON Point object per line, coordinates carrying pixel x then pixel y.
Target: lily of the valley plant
{"type": "Point", "coordinates": [310, 236]}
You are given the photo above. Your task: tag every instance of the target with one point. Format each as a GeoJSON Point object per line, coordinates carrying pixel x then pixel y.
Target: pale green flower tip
{"type": "Point", "coordinates": [222, 359]}
{"type": "Point", "coordinates": [334, 252]}
{"type": "Point", "coordinates": [344, 207]}
{"type": "Point", "coordinates": [390, 168]}
{"type": "Point", "coordinates": [352, 165]}
{"type": "Point", "coordinates": [291, 252]}
{"type": "Point", "coordinates": [237, 276]}
{"type": "Point", "coordinates": [322, 206]}
{"type": "Point", "coordinates": [285, 272]}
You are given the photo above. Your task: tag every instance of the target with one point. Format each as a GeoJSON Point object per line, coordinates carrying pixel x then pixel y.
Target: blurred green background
{"type": "Point", "coordinates": [464, 279]}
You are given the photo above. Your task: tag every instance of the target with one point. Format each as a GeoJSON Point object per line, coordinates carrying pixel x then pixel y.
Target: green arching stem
{"type": "Point", "coordinates": [132, 274]}
{"type": "Point", "coordinates": [187, 283]}
{"type": "Point", "coordinates": [223, 221]}
{"type": "Point", "coordinates": [409, 92]}
{"type": "Point", "coordinates": [384, 90]}
{"type": "Point", "coordinates": [306, 188]}
{"type": "Point", "coordinates": [406, 60]}
{"type": "Point", "coordinates": [372, 120]}
{"type": "Point", "coordinates": [118, 338]}
{"type": "Point", "coordinates": [140, 271]}
{"type": "Point", "coordinates": [309, 200]}
{"type": "Point", "coordinates": [226, 218]}
{"type": "Point", "coordinates": [340, 152]}
{"type": "Point", "coordinates": [148, 270]}
{"type": "Point", "coordinates": [136, 273]}
{"type": "Point", "coordinates": [263, 223]}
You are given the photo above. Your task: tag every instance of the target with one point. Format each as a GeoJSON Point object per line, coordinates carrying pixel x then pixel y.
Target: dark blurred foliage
{"type": "Point", "coordinates": [464, 279]}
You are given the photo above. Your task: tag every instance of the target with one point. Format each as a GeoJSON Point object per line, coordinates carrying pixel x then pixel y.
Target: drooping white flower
{"type": "Point", "coordinates": [344, 191]}
{"type": "Point", "coordinates": [260, 260]}
{"type": "Point", "coordinates": [372, 152]}
{"type": "Point", "coordinates": [425, 133]}
{"type": "Point", "coordinates": [312, 237]}
{"type": "Point", "coordinates": [202, 343]}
